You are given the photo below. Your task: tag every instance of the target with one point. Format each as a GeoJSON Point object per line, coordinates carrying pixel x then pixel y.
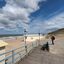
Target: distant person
{"type": "Point", "coordinates": [52, 39]}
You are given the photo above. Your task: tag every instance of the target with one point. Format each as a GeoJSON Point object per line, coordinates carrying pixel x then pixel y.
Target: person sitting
{"type": "Point", "coordinates": [45, 47]}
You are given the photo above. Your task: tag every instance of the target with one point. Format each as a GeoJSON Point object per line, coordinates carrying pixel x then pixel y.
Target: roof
{"type": "Point", "coordinates": [2, 43]}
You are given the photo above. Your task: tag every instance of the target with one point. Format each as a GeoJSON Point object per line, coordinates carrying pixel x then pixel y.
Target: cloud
{"type": "Point", "coordinates": [56, 21]}
{"type": "Point", "coordinates": [51, 24]}
{"type": "Point", "coordinates": [16, 13]}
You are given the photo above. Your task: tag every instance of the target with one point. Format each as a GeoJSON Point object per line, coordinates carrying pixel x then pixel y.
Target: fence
{"type": "Point", "coordinates": [14, 55]}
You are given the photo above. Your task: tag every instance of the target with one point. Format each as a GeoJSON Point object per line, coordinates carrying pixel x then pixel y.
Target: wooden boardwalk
{"type": "Point", "coordinates": [38, 56]}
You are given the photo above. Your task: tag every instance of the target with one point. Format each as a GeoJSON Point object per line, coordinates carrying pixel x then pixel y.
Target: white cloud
{"type": "Point", "coordinates": [54, 23]}
{"type": "Point", "coordinates": [16, 13]}
{"type": "Point", "coordinates": [57, 21]}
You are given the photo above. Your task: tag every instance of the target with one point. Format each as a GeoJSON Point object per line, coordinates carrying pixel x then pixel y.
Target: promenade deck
{"type": "Point", "coordinates": [38, 56]}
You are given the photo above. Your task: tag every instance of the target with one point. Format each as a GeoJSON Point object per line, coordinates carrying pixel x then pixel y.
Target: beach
{"type": "Point", "coordinates": [16, 42]}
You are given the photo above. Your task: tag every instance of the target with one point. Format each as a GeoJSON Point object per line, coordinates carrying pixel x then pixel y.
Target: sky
{"type": "Point", "coordinates": [33, 15]}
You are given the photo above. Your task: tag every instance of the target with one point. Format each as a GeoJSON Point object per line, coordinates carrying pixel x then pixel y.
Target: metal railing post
{"type": "Point", "coordinates": [36, 43]}
{"type": "Point", "coordinates": [25, 40]}
{"type": "Point", "coordinates": [26, 48]}
{"type": "Point", "coordinates": [12, 56]}
{"type": "Point", "coordinates": [32, 44]}
{"type": "Point", "coordinates": [25, 44]}
{"type": "Point", "coordinates": [39, 38]}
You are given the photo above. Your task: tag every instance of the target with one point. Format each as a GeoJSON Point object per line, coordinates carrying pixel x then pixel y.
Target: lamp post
{"type": "Point", "coordinates": [39, 38]}
{"type": "Point", "coordinates": [25, 37]}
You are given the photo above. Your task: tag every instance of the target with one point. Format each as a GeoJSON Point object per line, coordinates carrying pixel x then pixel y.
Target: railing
{"type": "Point", "coordinates": [14, 55]}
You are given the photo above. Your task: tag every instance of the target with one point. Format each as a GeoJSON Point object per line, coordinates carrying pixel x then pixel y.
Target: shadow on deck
{"type": "Point", "coordinates": [38, 56]}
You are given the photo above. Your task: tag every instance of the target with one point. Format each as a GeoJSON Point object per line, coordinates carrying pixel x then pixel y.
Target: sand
{"type": "Point", "coordinates": [14, 42]}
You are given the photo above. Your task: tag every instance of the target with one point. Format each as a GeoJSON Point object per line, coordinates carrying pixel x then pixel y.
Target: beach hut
{"type": "Point", "coordinates": [2, 50]}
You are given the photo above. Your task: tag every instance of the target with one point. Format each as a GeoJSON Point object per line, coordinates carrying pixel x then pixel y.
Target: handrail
{"type": "Point", "coordinates": [11, 50]}
{"type": "Point", "coordinates": [16, 52]}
